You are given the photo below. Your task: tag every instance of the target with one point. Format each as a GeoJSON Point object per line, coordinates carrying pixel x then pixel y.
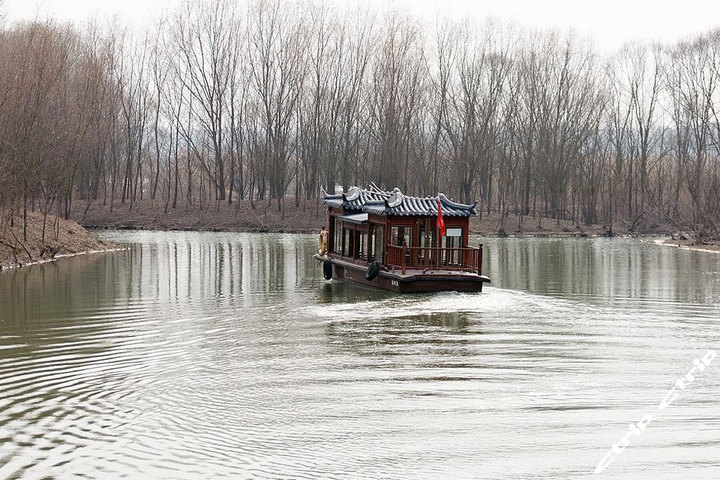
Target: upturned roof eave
{"type": "Point", "coordinates": [395, 203]}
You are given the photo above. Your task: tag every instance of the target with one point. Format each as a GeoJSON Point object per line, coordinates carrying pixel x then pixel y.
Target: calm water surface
{"type": "Point", "coordinates": [195, 355]}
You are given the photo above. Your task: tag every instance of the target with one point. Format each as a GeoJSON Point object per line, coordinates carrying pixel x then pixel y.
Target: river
{"type": "Point", "coordinates": [225, 355]}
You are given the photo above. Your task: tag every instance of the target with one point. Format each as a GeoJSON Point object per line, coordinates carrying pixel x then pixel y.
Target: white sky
{"type": "Point", "coordinates": [610, 23]}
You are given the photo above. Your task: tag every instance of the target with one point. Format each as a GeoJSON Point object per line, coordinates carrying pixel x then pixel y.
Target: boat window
{"type": "Point", "coordinates": [453, 240]}
{"type": "Point", "coordinates": [378, 252]}
{"type": "Point", "coordinates": [337, 240]}
{"type": "Point", "coordinates": [371, 242]}
{"type": "Point", "coordinates": [401, 236]}
{"type": "Point", "coordinates": [453, 232]}
{"type": "Point", "coordinates": [349, 242]}
{"type": "Point", "coordinates": [361, 243]}
{"type": "Point", "coordinates": [426, 237]}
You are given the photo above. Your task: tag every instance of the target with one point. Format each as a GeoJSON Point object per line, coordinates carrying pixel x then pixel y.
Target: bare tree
{"type": "Point", "coordinates": [278, 43]}
{"type": "Point", "coordinates": [261, 99]}
{"type": "Point", "coordinates": [205, 35]}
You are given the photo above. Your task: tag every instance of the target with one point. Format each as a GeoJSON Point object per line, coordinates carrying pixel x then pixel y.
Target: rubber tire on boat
{"type": "Point", "coordinates": [372, 270]}
{"type": "Point", "coordinates": [327, 270]}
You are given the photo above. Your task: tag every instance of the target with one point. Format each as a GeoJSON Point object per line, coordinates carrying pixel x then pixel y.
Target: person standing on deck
{"type": "Point", "coordinates": [323, 242]}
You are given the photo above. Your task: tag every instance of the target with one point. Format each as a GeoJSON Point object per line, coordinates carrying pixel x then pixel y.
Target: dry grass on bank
{"type": "Point", "coordinates": [692, 245]}
{"type": "Point", "coordinates": [240, 216]}
{"type": "Point", "coordinates": [494, 224]}
{"type": "Point", "coordinates": [16, 250]}
{"type": "Point", "coordinates": [308, 217]}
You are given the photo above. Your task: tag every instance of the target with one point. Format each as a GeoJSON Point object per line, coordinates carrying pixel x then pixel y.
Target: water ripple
{"type": "Point", "coordinates": [225, 356]}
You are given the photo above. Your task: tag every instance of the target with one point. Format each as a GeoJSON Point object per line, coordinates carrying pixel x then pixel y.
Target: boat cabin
{"type": "Point", "coordinates": [400, 232]}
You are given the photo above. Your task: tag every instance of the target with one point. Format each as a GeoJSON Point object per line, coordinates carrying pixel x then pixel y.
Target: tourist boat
{"type": "Point", "coordinates": [389, 240]}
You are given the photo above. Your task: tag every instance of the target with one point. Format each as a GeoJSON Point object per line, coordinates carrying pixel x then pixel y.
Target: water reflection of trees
{"type": "Point", "coordinates": [611, 268]}
{"type": "Point", "coordinates": [180, 268]}
{"type": "Point", "coordinates": [190, 270]}
{"type": "Point", "coordinates": [185, 267]}
{"type": "Point", "coordinates": [30, 296]}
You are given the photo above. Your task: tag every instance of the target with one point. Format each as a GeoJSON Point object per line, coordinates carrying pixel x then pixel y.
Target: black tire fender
{"type": "Point", "coordinates": [327, 270]}
{"type": "Point", "coordinates": [372, 270]}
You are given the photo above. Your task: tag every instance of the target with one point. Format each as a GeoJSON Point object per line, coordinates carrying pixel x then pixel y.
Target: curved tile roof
{"type": "Point", "coordinates": [395, 203]}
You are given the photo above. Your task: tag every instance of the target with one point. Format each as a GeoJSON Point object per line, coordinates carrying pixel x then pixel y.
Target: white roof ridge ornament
{"type": "Point", "coordinates": [396, 199]}
{"type": "Point", "coordinates": [353, 193]}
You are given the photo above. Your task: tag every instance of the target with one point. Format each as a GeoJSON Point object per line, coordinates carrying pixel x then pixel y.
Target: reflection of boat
{"type": "Point", "coordinates": [396, 242]}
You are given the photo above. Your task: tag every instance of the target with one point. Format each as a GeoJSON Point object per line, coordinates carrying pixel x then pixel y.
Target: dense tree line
{"type": "Point", "coordinates": [268, 101]}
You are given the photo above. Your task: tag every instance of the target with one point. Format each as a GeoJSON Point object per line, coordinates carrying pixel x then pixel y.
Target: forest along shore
{"type": "Point", "coordinates": [21, 246]}
{"type": "Point", "coordinates": [310, 215]}
{"type": "Point", "coordinates": [497, 121]}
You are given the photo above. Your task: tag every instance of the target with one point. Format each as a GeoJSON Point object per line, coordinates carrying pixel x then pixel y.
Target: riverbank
{"type": "Point", "coordinates": [18, 249]}
{"type": "Point", "coordinates": [310, 216]}
{"type": "Point", "coordinates": [690, 245]}
{"type": "Point", "coordinates": [307, 217]}
{"type": "Point", "coordinates": [240, 216]}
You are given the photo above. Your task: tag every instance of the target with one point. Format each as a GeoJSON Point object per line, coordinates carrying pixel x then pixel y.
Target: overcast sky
{"type": "Point", "coordinates": [610, 23]}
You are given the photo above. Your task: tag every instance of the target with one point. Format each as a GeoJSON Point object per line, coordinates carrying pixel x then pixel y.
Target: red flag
{"type": "Point", "coordinates": [440, 219]}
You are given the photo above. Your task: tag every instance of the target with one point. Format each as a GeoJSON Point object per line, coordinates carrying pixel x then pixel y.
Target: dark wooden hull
{"type": "Point", "coordinates": [411, 282]}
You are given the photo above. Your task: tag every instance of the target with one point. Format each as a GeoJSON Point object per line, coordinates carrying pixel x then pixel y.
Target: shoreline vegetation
{"type": "Point", "coordinates": [306, 217]}
{"type": "Point", "coordinates": [309, 215]}
{"type": "Point", "coordinates": [690, 245]}
{"type": "Point", "coordinates": [63, 238]}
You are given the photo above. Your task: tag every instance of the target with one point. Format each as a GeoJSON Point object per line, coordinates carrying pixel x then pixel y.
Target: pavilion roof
{"type": "Point", "coordinates": [395, 203]}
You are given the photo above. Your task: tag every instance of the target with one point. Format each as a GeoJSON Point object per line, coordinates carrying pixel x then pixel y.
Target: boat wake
{"type": "Point", "coordinates": [493, 300]}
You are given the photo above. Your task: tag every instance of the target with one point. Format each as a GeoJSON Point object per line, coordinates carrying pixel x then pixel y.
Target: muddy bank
{"type": "Point", "coordinates": [310, 215]}
{"type": "Point", "coordinates": [690, 245]}
{"type": "Point", "coordinates": [62, 238]}
{"type": "Point", "coordinates": [307, 217]}
{"type": "Point", "coordinates": [240, 216]}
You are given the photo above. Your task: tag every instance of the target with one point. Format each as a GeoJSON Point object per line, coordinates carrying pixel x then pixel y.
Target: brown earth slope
{"type": "Point", "coordinates": [240, 216]}
{"type": "Point", "coordinates": [16, 249]}
{"type": "Point", "coordinates": [308, 217]}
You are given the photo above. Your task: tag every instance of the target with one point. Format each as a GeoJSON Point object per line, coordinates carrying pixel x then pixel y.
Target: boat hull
{"type": "Point", "coordinates": [412, 282]}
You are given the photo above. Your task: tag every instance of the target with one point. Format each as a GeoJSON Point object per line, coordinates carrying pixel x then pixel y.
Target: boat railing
{"type": "Point", "coordinates": [468, 259]}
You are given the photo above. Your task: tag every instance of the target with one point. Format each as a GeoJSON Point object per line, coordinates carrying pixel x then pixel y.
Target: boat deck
{"type": "Point", "coordinates": [429, 272]}
{"type": "Point", "coordinates": [409, 280]}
